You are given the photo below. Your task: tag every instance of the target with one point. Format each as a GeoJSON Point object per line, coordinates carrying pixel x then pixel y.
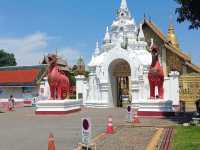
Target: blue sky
{"type": "Point", "coordinates": [32, 28]}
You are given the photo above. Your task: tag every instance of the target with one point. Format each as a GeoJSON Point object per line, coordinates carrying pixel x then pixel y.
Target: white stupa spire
{"type": "Point", "coordinates": [141, 34]}
{"type": "Point", "coordinates": [123, 12]}
{"type": "Point", "coordinates": [107, 36]}
{"type": "Point", "coordinates": [123, 4]}
{"type": "Point", "coordinates": [97, 50]}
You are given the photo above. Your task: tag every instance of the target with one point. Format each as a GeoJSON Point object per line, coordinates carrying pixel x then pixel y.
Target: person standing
{"type": "Point", "coordinates": [12, 101]}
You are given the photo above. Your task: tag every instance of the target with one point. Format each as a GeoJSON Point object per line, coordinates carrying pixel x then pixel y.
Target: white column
{"type": "Point", "coordinates": [46, 89]}
{"type": "Point", "coordinates": [106, 94]}
{"type": "Point", "coordinates": [80, 87]}
{"type": "Point", "coordinates": [167, 89]}
{"type": "Point", "coordinates": [146, 87]}
{"type": "Point", "coordinates": [135, 90]}
{"type": "Point", "coordinates": [92, 91]}
{"type": "Point", "coordinates": [130, 86]}
{"type": "Point", "coordinates": [174, 87]}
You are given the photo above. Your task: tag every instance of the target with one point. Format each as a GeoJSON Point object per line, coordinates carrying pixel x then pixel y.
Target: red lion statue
{"type": "Point", "coordinates": [58, 81]}
{"type": "Point", "coordinates": [156, 75]}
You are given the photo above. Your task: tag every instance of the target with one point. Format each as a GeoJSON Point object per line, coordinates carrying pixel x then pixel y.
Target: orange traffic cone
{"type": "Point", "coordinates": [51, 142]}
{"type": "Point", "coordinates": [135, 117]}
{"type": "Point", "coordinates": [109, 126]}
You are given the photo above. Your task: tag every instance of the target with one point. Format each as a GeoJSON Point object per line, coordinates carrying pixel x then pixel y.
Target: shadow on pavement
{"type": "Point", "coordinates": [182, 117]}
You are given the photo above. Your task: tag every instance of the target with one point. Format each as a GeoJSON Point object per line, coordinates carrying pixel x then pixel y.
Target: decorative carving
{"type": "Point", "coordinates": [189, 90]}
{"type": "Point", "coordinates": [121, 69]}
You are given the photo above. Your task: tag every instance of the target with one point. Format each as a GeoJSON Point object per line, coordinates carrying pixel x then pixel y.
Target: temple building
{"type": "Point", "coordinates": [23, 82]}
{"type": "Point", "coordinates": [119, 70]}
{"type": "Point", "coordinates": [79, 68]}
{"type": "Point", "coordinates": [119, 67]}
{"type": "Point", "coordinates": [173, 58]}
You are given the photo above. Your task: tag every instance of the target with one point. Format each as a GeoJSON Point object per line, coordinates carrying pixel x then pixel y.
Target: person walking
{"type": "Point", "coordinates": [12, 102]}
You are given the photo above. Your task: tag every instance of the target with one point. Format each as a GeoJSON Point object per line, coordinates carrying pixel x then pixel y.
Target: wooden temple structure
{"type": "Point", "coordinates": [172, 57]}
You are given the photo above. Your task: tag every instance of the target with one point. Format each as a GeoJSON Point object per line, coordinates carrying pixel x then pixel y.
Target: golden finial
{"type": "Point", "coordinates": [80, 66]}
{"type": "Point", "coordinates": [171, 34]}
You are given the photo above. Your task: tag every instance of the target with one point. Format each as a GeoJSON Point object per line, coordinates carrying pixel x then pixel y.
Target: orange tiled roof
{"type": "Point", "coordinates": [15, 76]}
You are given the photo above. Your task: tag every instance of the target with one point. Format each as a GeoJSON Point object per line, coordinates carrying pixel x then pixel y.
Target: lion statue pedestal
{"type": "Point", "coordinates": [58, 102]}
{"type": "Point", "coordinates": [163, 91]}
{"type": "Point", "coordinates": [57, 107]}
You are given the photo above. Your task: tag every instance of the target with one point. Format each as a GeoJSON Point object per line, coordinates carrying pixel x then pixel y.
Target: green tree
{"type": "Point", "coordinates": [7, 59]}
{"type": "Point", "coordinates": [189, 10]}
{"type": "Point", "coordinates": [72, 78]}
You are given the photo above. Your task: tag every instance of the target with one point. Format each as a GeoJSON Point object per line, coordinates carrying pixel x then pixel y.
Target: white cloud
{"type": "Point", "coordinates": [30, 49]}
{"type": "Point", "coordinates": [69, 54]}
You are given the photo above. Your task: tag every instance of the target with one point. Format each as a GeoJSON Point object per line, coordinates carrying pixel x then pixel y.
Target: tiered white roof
{"type": "Point", "coordinates": [123, 34]}
{"type": "Point", "coordinates": [107, 36]}
{"type": "Point", "coordinates": [123, 4]}
{"type": "Point", "coordinates": [97, 50]}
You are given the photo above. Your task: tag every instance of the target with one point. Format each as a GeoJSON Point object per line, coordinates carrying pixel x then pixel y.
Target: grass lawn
{"type": "Point", "coordinates": [186, 138]}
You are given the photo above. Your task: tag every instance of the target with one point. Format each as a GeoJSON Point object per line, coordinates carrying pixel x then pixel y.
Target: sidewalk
{"type": "Point", "coordinates": [127, 138]}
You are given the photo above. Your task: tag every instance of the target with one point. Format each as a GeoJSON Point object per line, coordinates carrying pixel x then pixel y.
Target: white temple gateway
{"type": "Point", "coordinates": [119, 71]}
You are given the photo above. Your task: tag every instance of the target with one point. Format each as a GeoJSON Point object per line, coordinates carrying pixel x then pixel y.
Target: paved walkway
{"type": "Point", "coordinates": [23, 130]}
{"type": "Point", "coordinates": [127, 138]}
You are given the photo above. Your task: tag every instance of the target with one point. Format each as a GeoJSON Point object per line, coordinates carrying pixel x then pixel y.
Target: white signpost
{"type": "Point", "coordinates": [130, 114]}
{"type": "Point", "coordinates": [86, 131]}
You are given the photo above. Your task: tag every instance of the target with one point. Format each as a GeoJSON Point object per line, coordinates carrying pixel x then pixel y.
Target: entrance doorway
{"type": "Point", "coordinates": [122, 90]}
{"type": "Point", "coordinates": [120, 73]}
